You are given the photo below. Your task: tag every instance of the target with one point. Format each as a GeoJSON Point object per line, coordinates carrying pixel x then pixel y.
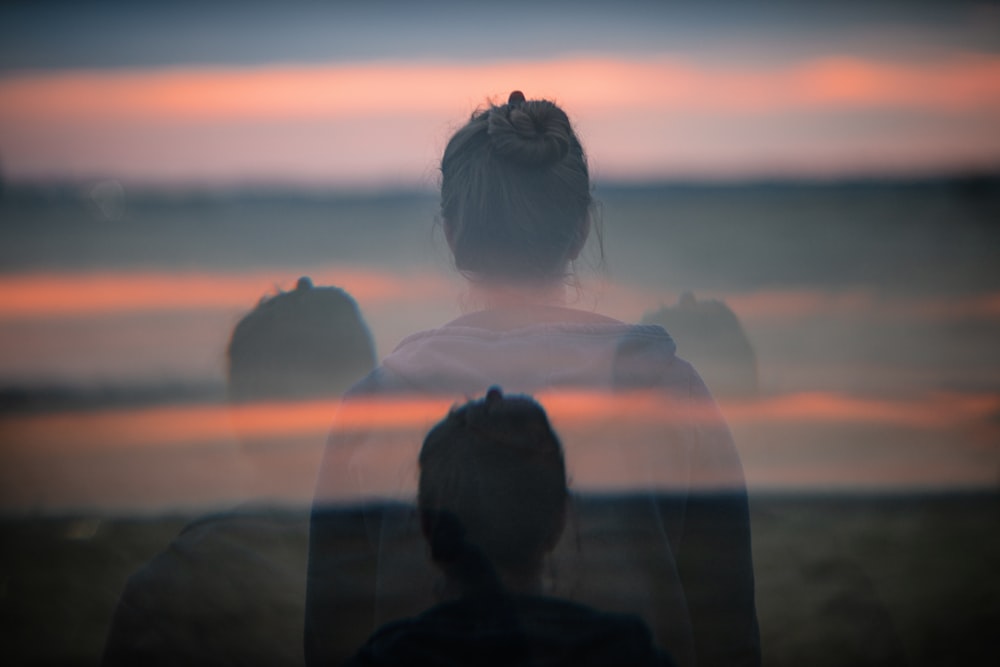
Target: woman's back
{"type": "Point", "coordinates": [659, 524]}
{"type": "Point", "coordinates": [658, 484]}
{"type": "Point", "coordinates": [546, 632]}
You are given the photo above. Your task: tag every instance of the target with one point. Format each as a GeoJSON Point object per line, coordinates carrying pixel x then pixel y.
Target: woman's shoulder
{"type": "Point", "coordinates": [537, 323]}
{"type": "Point", "coordinates": [569, 347]}
{"type": "Point", "coordinates": [551, 631]}
{"type": "Point", "coordinates": [571, 633]}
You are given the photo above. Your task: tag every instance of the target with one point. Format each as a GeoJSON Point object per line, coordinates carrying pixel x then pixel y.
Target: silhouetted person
{"type": "Point", "coordinates": [229, 589]}
{"type": "Point", "coordinates": [310, 342]}
{"type": "Point", "coordinates": [709, 335]}
{"type": "Point", "coordinates": [492, 504]}
{"type": "Point", "coordinates": [660, 526]}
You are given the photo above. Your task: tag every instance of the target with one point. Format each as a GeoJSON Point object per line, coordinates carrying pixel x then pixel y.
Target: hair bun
{"type": "Point", "coordinates": [534, 132]}
{"type": "Point", "coordinates": [494, 396]}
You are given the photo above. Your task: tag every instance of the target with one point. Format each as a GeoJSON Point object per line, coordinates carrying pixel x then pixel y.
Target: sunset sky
{"type": "Point", "coordinates": [367, 93]}
{"type": "Point", "coordinates": [872, 311]}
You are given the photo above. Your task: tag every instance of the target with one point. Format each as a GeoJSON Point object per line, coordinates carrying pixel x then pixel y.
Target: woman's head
{"type": "Point", "coordinates": [515, 193]}
{"type": "Point", "coordinates": [308, 343]}
{"type": "Point", "coordinates": [492, 476]}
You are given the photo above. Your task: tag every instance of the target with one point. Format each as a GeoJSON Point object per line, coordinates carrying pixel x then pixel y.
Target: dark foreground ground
{"type": "Point", "coordinates": [840, 580]}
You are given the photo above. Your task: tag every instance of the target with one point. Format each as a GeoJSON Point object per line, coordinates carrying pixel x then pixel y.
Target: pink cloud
{"type": "Point", "coordinates": [204, 424]}
{"type": "Point", "coordinates": [401, 88]}
{"type": "Point", "coordinates": [388, 120]}
{"type": "Point", "coordinates": [169, 455]}
{"type": "Point", "coordinates": [51, 295]}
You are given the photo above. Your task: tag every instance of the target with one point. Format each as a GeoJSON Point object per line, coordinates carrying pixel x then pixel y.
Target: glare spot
{"type": "Point", "coordinates": [107, 199]}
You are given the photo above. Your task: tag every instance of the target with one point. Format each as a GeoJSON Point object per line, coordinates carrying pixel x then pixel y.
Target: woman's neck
{"type": "Point", "coordinates": [505, 296]}
{"type": "Point", "coordinates": [521, 584]}
{"type": "Point", "coordinates": [450, 588]}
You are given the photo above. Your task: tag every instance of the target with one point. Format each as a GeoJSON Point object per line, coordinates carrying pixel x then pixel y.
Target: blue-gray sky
{"type": "Point", "coordinates": [718, 88]}
{"type": "Point", "coordinates": [123, 34]}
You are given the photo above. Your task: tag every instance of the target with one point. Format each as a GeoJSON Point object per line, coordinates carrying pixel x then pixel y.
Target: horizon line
{"type": "Point", "coordinates": [985, 177]}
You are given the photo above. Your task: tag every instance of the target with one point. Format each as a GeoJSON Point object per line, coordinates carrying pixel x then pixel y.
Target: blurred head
{"type": "Point", "coordinates": [492, 476]}
{"type": "Point", "coordinates": [515, 193]}
{"type": "Point", "coordinates": [308, 343]}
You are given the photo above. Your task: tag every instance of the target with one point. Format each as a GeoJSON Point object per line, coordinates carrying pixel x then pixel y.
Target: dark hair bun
{"type": "Point", "coordinates": [310, 342]}
{"type": "Point", "coordinates": [534, 132]}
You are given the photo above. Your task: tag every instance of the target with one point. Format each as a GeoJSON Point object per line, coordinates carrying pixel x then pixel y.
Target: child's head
{"type": "Point", "coordinates": [515, 193]}
{"type": "Point", "coordinates": [310, 342]}
{"type": "Point", "coordinates": [492, 475]}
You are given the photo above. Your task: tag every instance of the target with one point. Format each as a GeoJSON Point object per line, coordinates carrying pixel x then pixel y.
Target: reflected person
{"type": "Point", "coordinates": [661, 521]}
{"type": "Point", "coordinates": [229, 588]}
{"type": "Point", "coordinates": [492, 503]}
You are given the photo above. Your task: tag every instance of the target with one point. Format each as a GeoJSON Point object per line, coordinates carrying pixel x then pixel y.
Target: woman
{"type": "Point", "coordinates": [488, 534]}
{"type": "Point", "coordinates": [660, 524]}
{"type": "Point", "coordinates": [228, 590]}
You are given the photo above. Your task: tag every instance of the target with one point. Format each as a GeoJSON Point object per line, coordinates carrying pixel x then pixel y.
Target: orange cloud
{"type": "Point", "coordinates": [54, 295]}
{"type": "Point", "coordinates": [630, 301]}
{"type": "Point", "coordinates": [642, 117]}
{"type": "Point", "coordinates": [792, 304]}
{"type": "Point", "coordinates": [940, 410]}
{"type": "Point", "coordinates": [187, 425]}
{"type": "Point", "coordinates": [587, 85]}
{"type": "Point", "coordinates": [41, 295]}
{"type": "Point", "coordinates": [176, 426]}
{"type": "Point", "coordinates": [169, 455]}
